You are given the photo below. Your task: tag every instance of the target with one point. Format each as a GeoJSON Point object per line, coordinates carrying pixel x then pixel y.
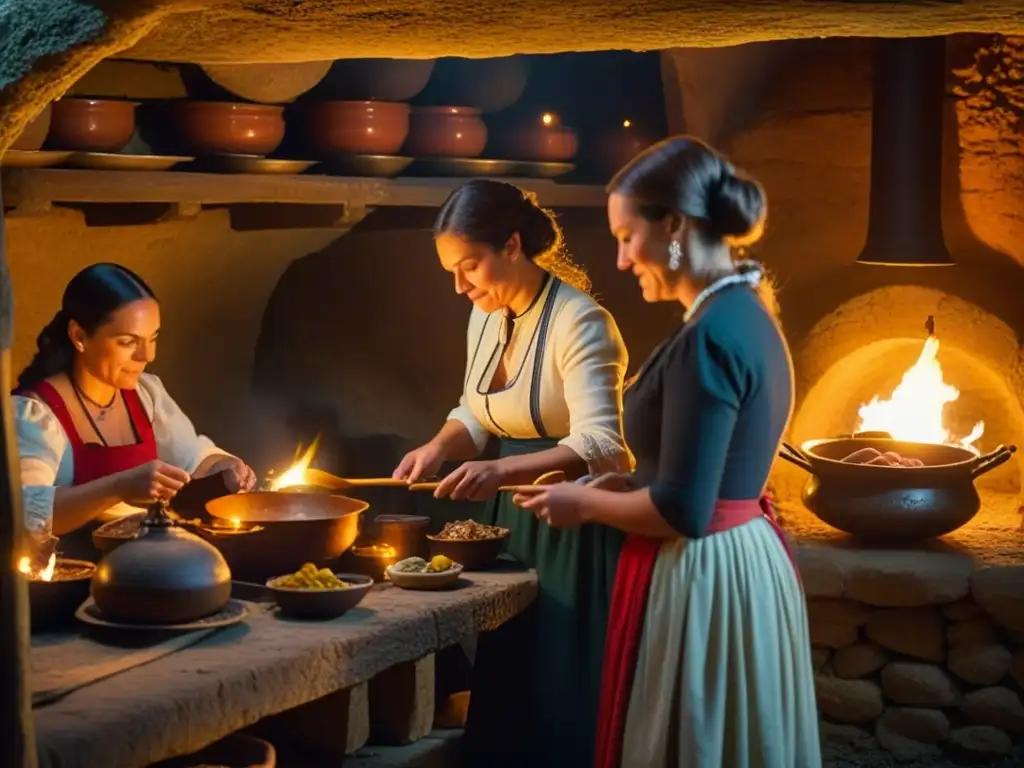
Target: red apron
{"type": "Point", "coordinates": [93, 461]}
{"type": "Point", "coordinates": [626, 619]}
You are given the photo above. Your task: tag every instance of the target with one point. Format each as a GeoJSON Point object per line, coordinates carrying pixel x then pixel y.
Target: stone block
{"type": "Point", "coordinates": [859, 660]}
{"type": "Point", "coordinates": [980, 663]}
{"type": "Point", "coordinates": [980, 741]}
{"type": "Point", "coordinates": [915, 632]}
{"type": "Point", "coordinates": [903, 749]}
{"type": "Point", "coordinates": [961, 610]}
{"type": "Point", "coordinates": [334, 726]}
{"type": "Point", "coordinates": [821, 574]}
{"type": "Point", "coordinates": [928, 726]}
{"type": "Point", "coordinates": [905, 579]}
{"type": "Point", "coordinates": [402, 702]}
{"type": "Point", "coordinates": [848, 701]}
{"type": "Point", "coordinates": [820, 656]}
{"type": "Point", "coordinates": [1000, 591]}
{"type": "Point", "coordinates": [979, 629]}
{"type": "Point", "coordinates": [834, 623]}
{"type": "Point", "coordinates": [916, 684]}
{"type": "Point", "coordinates": [996, 706]}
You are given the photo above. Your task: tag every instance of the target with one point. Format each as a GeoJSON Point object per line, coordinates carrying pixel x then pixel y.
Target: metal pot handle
{"type": "Point", "coordinates": [992, 460]}
{"type": "Point", "coordinates": [795, 456]}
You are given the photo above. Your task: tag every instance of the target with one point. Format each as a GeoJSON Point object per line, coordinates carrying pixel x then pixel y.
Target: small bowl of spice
{"type": "Point", "coordinates": [439, 572]}
{"type": "Point", "coordinates": [475, 545]}
{"type": "Point", "coordinates": [318, 593]}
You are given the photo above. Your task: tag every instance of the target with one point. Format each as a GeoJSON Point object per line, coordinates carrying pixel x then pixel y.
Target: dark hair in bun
{"type": "Point", "coordinates": [490, 212]}
{"type": "Point", "coordinates": [684, 175]}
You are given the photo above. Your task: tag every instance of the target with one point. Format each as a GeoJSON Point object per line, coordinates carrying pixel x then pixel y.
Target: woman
{"type": "Point", "coordinates": [708, 655]}
{"type": "Point", "coordinates": [544, 375]}
{"type": "Point", "coordinates": [95, 433]}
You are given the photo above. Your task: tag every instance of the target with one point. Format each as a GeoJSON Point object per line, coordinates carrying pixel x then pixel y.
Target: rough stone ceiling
{"type": "Point", "coordinates": [48, 44]}
{"type": "Point", "coordinates": [304, 30]}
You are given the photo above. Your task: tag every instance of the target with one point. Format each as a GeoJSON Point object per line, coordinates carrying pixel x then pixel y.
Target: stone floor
{"type": "Point", "coordinates": [869, 755]}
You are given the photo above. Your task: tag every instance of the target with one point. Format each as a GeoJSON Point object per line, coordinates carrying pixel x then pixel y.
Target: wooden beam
{"type": "Point", "coordinates": [17, 731]}
{"type": "Point", "coordinates": [29, 188]}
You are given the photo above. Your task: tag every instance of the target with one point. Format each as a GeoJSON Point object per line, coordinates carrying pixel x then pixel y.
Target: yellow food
{"type": "Point", "coordinates": [439, 564]}
{"type": "Point", "coordinates": [309, 577]}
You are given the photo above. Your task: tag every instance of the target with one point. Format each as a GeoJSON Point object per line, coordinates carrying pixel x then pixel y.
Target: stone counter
{"type": "Point", "coordinates": [267, 665]}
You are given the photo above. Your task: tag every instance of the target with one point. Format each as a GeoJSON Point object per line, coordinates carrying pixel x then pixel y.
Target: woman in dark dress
{"type": "Point", "coordinates": [707, 662]}
{"type": "Point", "coordinates": [544, 371]}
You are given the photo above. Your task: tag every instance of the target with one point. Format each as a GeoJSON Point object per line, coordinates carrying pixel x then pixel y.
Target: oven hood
{"type": "Point", "coordinates": [905, 209]}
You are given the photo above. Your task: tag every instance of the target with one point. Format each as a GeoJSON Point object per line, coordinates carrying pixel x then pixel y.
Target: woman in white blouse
{"type": "Point", "coordinates": [95, 433]}
{"type": "Point", "coordinates": [544, 374]}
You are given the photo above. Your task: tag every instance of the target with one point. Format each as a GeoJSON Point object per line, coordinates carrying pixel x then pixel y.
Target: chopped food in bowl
{"type": "Point", "coordinates": [440, 572]}
{"type": "Point", "coordinates": [309, 577]}
{"type": "Point", "coordinates": [470, 530]}
{"type": "Point", "coordinates": [318, 593]}
{"type": "Point", "coordinates": [475, 545]}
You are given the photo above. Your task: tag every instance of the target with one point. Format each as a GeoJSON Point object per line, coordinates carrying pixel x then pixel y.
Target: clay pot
{"type": "Point", "coordinates": [91, 125]}
{"type": "Point", "coordinates": [228, 128]}
{"type": "Point", "coordinates": [546, 143]}
{"type": "Point", "coordinates": [446, 132]}
{"type": "Point", "coordinates": [34, 134]}
{"type": "Point", "coordinates": [357, 127]}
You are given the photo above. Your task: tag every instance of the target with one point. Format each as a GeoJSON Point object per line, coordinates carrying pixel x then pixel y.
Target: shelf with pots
{"type": "Point", "coordinates": [189, 154]}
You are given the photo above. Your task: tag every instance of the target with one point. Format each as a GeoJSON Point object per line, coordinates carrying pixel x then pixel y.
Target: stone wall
{"type": "Point", "coordinates": [917, 653]}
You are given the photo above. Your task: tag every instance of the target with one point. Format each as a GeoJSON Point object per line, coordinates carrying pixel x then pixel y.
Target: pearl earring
{"type": "Point", "coordinates": [675, 255]}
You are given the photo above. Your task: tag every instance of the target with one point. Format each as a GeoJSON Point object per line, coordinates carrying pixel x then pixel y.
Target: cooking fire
{"type": "Point", "coordinates": [915, 410]}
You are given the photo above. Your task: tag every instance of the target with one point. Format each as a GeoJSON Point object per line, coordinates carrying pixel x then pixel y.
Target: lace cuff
{"type": "Point", "coordinates": [600, 454]}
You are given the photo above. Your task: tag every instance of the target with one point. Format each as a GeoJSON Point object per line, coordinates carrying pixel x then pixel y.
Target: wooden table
{"type": "Point", "coordinates": [232, 679]}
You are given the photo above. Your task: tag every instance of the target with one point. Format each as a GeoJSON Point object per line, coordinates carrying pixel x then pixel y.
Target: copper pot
{"type": "Point", "coordinates": [167, 576]}
{"type": "Point", "coordinates": [91, 125]}
{"type": "Point", "coordinates": [228, 128]}
{"type": "Point", "coordinates": [547, 143]}
{"type": "Point", "coordinates": [34, 134]}
{"type": "Point", "coordinates": [446, 132]}
{"type": "Point", "coordinates": [358, 127]}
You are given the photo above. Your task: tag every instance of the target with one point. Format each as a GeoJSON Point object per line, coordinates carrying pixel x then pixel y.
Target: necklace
{"type": "Point", "coordinates": [750, 274]}
{"type": "Point", "coordinates": [101, 409]}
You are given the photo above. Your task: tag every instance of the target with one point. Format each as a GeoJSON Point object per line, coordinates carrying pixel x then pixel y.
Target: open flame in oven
{"type": "Point", "coordinates": [914, 411]}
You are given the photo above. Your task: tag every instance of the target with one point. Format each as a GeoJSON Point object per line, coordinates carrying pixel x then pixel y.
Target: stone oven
{"type": "Point", "coordinates": [919, 646]}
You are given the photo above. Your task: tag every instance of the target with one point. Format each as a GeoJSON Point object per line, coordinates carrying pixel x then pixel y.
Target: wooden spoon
{"type": "Point", "coordinates": [548, 478]}
{"type": "Point", "coordinates": [318, 480]}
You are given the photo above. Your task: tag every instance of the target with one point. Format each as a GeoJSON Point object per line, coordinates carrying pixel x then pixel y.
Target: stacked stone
{"type": "Point", "coordinates": [924, 663]}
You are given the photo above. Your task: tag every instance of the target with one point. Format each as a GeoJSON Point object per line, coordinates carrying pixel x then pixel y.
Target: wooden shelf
{"type": "Point", "coordinates": [36, 189]}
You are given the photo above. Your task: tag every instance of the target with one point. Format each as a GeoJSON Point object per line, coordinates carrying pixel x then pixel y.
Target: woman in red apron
{"type": "Point", "coordinates": [707, 662]}
{"type": "Point", "coordinates": [95, 433]}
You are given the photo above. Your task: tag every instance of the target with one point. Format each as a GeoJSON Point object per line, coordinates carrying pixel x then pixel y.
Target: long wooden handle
{"type": "Point", "coordinates": [318, 477]}
{"type": "Point", "coordinates": [548, 478]}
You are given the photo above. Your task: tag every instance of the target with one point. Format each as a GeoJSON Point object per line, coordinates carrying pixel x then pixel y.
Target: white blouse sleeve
{"type": "Point", "coordinates": [592, 360]}
{"type": "Point", "coordinates": [462, 412]}
{"type": "Point", "coordinates": [41, 446]}
{"type": "Point", "coordinates": [177, 441]}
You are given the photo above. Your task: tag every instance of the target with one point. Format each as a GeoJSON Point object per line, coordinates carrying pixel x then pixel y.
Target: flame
{"type": "Point", "coordinates": [915, 409]}
{"type": "Point", "coordinates": [296, 473]}
{"type": "Point", "coordinates": [46, 574]}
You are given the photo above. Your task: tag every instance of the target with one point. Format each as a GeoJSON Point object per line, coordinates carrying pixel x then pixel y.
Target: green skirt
{"type": "Point", "coordinates": [537, 678]}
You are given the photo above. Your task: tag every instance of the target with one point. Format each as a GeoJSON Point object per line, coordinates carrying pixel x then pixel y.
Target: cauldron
{"type": "Point", "coordinates": [891, 504]}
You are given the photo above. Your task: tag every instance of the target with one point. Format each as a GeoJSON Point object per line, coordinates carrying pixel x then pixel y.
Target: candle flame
{"type": "Point", "coordinates": [627, 123]}
{"type": "Point", "coordinates": [547, 118]}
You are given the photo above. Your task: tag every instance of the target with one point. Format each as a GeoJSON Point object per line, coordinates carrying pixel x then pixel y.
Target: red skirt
{"type": "Point", "coordinates": [626, 620]}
